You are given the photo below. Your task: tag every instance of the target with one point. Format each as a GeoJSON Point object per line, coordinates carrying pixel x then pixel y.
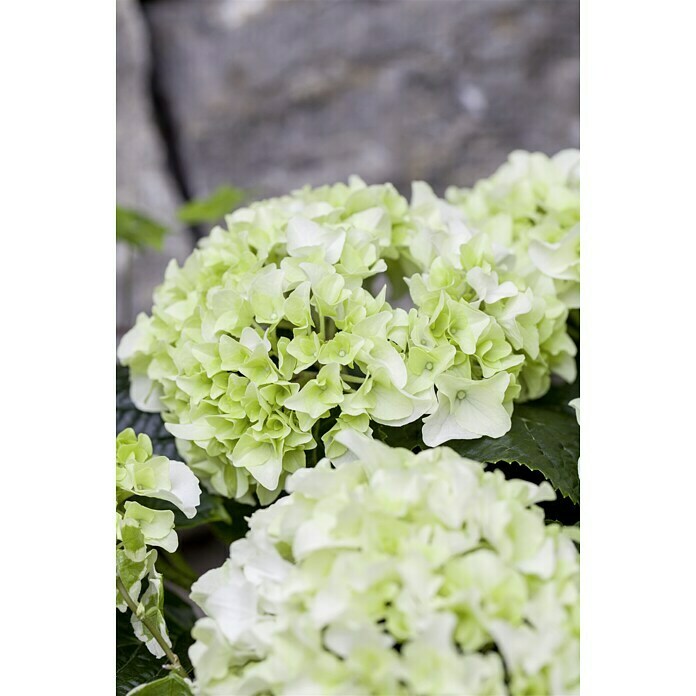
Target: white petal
{"type": "Point", "coordinates": [145, 394]}
{"type": "Point", "coordinates": [268, 473]}
{"type": "Point", "coordinates": [303, 235]}
{"type": "Point", "coordinates": [186, 491]}
{"type": "Point", "coordinates": [234, 607]}
{"type": "Point", "coordinates": [387, 357]}
{"type": "Point", "coordinates": [361, 446]}
{"type": "Point", "coordinates": [487, 287]}
{"type": "Point", "coordinates": [442, 426]}
{"type": "Point", "coordinates": [135, 340]}
{"type": "Point", "coordinates": [543, 563]}
{"type": "Point", "coordinates": [395, 407]}
{"type": "Point", "coordinates": [482, 410]}
{"type": "Point", "coordinates": [558, 260]}
{"type": "Point", "coordinates": [200, 430]}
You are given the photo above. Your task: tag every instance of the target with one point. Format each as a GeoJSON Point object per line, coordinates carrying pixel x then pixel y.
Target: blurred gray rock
{"type": "Point", "coordinates": [143, 181]}
{"type": "Point", "coordinates": [271, 95]}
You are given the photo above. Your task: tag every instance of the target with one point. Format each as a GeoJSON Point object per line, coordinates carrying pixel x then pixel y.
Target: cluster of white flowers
{"type": "Point", "coordinates": [273, 333]}
{"type": "Point", "coordinates": [139, 528]}
{"type": "Point", "coordinates": [393, 573]}
{"type": "Point", "coordinates": [532, 206]}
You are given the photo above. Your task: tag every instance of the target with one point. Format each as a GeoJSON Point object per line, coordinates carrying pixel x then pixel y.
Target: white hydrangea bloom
{"type": "Point", "coordinates": [393, 573]}
{"type": "Point", "coordinates": [532, 204]}
{"type": "Point", "coordinates": [139, 528]}
{"type": "Point", "coordinates": [278, 323]}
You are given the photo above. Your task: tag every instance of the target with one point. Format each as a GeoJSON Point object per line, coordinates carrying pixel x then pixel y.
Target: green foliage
{"type": "Point", "coordinates": [176, 569]}
{"type": "Point", "coordinates": [210, 510]}
{"type": "Point", "coordinates": [139, 231]}
{"type": "Point", "coordinates": [171, 685]}
{"type": "Point", "coordinates": [151, 424]}
{"type": "Point", "coordinates": [135, 665]}
{"type": "Point", "coordinates": [238, 526]}
{"type": "Point", "coordinates": [574, 325]}
{"type": "Point", "coordinates": [212, 208]}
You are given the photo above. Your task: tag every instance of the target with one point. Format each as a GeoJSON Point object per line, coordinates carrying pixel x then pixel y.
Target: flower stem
{"type": "Point", "coordinates": [311, 374]}
{"type": "Point", "coordinates": [352, 378]}
{"type": "Point", "coordinates": [154, 630]}
{"type": "Point", "coordinates": [322, 325]}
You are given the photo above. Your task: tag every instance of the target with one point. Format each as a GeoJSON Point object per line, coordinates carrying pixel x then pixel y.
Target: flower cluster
{"type": "Point", "coordinates": [532, 205]}
{"type": "Point", "coordinates": [274, 335]}
{"type": "Point", "coordinates": [474, 291]}
{"type": "Point", "coordinates": [394, 573]}
{"type": "Point", "coordinates": [138, 527]}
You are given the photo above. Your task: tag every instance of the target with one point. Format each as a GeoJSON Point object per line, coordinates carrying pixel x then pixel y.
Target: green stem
{"type": "Point", "coordinates": [154, 630]}
{"type": "Point", "coordinates": [311, 374]}
{"type": "Point", "coordinates": [322, 325]}
{"type": "Point", "coordinates": [352, 378]}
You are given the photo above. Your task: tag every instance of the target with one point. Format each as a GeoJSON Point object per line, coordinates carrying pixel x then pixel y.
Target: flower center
{"type": "Point", "coordinates": [428, 366]}
{"type": "Point", "coordinates": [461, 395]}
{"type": "Point", "coordinates": [341, 353]}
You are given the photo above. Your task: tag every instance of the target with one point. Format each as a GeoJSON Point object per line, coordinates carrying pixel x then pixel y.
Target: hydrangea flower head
{"type": "Point", "coordinates": [393, 573]}
{"type": "Point", "coordinates": [140, 528]}
{"type": "Point", "coordinates": [532, 204]}
{"type": "Point", "coordinates": [276, 334]}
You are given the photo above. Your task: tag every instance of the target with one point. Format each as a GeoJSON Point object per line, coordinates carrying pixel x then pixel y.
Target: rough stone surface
{"type": "Point", "coordinates": [269, 95]}
{"type": "Point", "coordinates": [273, 94]}
{"type": "Point", "coordinates": [143, 181]}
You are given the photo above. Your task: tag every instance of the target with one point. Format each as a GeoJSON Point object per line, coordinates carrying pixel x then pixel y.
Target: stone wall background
{"type": "Point", "coordinates": [269, 95]}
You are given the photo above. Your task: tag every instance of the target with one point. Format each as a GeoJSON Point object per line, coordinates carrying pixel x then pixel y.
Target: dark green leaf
{"type": "Point", "coordinates": [574, 317]}
{"type": "Point", "coordinates": [213, 208]}
{"type": "Point", "coordinates": [135, 665]}
{"type": "Point", "coordinates": [562, 510]}
{"type": "Point", "coordinates": [176, 569]}
{"type": "Point", "coordinates": [237, 526]}
{"type": "Point", "coordinates": [543, 438]}
{"type": "Point", "coordinates": [408, 436]}
{"type": "Point", "coordinates": [128, 416]}
{"type": "Point", "coordinates": [171, 685]}
{"type": "Point", "coordinates": [559, 397]}
{"type": "Point", "coordinates": [138, 230]}
{"type": "Point", "coordinates": [211, 508]}
{"type": "Point", "coordinates": [574, 325]}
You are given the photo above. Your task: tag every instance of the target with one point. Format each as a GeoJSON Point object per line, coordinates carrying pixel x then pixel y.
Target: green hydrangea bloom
{"type": "Point", "coordinates": [394, 573]}
{"type": "Point", "coordinates": [274, 334]}
{"type": "Point", "coordinates": [139, 528]}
